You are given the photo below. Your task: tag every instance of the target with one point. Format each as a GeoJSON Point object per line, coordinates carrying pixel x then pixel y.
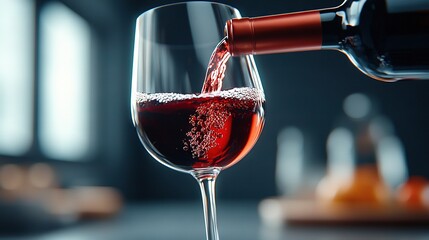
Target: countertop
{"type": "Point", "coordinates": [237, 221]}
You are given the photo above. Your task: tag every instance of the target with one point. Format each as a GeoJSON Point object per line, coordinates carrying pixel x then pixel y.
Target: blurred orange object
{"type": "Point", "coordinates": [410, 194]}
{"type": "Point", "coordinates": [365, 187]}
{"type": "Point", "coordinates": [38, 184]}
{"type": "Point", "coordinates": [89, 202]}
{"type": "Point", "coordinates": [97, 202]}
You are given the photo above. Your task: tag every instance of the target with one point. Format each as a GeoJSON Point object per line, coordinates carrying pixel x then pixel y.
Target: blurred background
{"type": "Point", "coordinates": [65, 122]}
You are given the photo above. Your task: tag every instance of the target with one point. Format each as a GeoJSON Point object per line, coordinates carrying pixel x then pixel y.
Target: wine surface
{"type": "Point", "coordinates": [189, 131]}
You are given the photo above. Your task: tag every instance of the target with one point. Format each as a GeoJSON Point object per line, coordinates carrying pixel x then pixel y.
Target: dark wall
{"type": "Point", "coordinates": [302, 89]}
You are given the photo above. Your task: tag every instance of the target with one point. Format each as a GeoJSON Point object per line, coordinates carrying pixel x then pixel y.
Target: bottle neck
{"type": "Point", "coordinates": [334, 28]}
{"type": "Point", "coordinates": [292, 32]}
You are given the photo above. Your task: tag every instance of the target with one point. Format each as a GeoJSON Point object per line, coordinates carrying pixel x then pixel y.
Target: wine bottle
{"type": "Point", "coordinates": [387, 40]}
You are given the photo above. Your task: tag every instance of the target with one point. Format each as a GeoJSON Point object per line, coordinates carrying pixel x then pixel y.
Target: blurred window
{"type": "Point", "coordinates": [64, 90]}
{"type": "Point", "coordinates": [62, 97]}
{"type": "Point", "coordinates": [16, 76]}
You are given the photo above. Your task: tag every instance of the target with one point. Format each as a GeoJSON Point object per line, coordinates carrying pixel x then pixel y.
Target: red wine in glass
{"type": "Point", "coordinates": [188, 131]}
{"type": "Point", "coordinates": [212, 130]}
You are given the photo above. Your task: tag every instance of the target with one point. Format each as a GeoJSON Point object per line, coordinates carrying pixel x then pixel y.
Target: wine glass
{"type": "Point", "coordinates": [182, 128]}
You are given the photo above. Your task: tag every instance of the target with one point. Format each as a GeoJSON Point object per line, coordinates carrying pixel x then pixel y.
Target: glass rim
{"type": "Point", "coordinates": [188, 2]}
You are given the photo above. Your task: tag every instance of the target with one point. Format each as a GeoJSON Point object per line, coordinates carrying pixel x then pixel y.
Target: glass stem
{"type": "Point", "coordinates": [207, 182]}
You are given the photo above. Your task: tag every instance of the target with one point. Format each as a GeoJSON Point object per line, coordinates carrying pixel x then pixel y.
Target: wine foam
{"type": "Point", "coordinates": [244, 93]}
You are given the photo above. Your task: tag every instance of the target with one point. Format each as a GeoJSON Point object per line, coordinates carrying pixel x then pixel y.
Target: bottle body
{"type": "Point", "coordinates": [386, 39]}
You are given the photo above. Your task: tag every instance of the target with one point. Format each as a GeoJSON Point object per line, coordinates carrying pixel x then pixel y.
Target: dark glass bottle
{"type": "Point", "coordinates": [386, 39]}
